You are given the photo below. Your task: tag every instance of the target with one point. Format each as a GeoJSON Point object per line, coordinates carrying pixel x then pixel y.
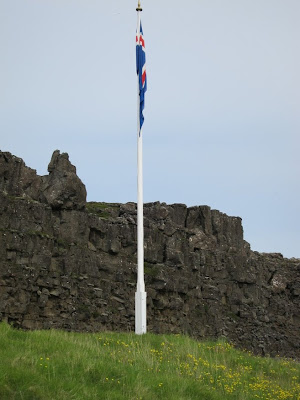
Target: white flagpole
{"type": "Point", "coordinates": [140, 294]}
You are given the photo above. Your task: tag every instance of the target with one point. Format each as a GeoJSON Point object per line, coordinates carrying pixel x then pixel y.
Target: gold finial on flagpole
{"type": "Point", "coordinates": [139, 8]}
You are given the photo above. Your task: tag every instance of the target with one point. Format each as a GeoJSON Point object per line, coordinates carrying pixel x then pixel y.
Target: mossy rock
{"type": "Point", "coordinates": [151, 270]}
{"type": "Point", "coordinates": [103, 210]}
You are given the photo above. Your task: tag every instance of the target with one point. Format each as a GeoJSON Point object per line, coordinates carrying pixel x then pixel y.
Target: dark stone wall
{"type": "Point", "coordinates": [68, 264]}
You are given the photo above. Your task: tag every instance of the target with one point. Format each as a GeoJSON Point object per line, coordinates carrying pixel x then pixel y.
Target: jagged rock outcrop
{"type": "Point", "coordinates": [16, 179]}
{"type": "Point", "coordinates": [62, 189]}
{"type": "Point", "coordinates": [63, 265]}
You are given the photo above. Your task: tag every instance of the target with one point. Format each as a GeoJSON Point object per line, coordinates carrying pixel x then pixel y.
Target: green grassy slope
{"type": "Point", "coordinates": [58, 365]}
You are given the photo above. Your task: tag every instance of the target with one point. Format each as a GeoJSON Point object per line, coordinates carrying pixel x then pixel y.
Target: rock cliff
{"type": "Point", "coordinates": [68, 264]}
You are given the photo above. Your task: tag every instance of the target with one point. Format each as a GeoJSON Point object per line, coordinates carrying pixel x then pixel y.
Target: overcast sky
{"type": "Point", "coordinates": [222, 118]}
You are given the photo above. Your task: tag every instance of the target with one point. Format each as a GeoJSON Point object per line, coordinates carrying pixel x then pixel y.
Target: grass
{"type": "Point", "coordinates": [102, 210]}
{"type": "Point", "coordinates": [117, 366]}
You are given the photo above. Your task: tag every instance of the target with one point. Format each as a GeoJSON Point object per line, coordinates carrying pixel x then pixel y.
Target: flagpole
{"type": "Point", "coordinates": [140, 295]}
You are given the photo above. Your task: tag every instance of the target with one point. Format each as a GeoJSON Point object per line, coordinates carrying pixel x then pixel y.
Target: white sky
{"type": "Point", "coordinates": [222, 109]}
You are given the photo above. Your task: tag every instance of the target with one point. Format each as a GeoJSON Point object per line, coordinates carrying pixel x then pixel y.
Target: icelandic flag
{"type": "Point", "coordinates": [141, 70]}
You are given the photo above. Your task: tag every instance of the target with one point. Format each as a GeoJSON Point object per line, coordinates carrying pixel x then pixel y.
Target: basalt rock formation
{"type": "Point", "coordinates": [68, 264]}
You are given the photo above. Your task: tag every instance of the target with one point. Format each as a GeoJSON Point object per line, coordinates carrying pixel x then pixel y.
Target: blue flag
{"type": "Point", "coordinates": [141, 70]}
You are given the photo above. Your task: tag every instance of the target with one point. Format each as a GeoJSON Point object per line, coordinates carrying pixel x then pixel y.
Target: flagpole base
{"type": "Point", "coordinates": [140, 312]}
